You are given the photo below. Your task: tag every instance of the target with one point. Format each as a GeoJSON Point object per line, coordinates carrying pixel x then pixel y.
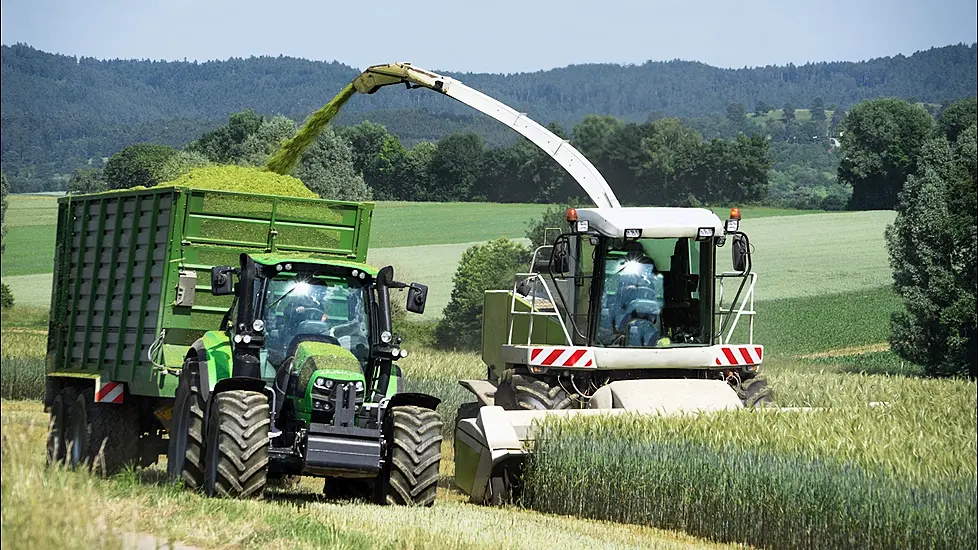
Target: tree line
{"type": "Point", "coordinates": [656, 162]}
{"type": "Point", "coordinates": [61, 112]}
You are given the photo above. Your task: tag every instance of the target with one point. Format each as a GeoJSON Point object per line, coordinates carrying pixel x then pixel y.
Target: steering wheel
{"type": "Point", "coordinates": [309, 310]}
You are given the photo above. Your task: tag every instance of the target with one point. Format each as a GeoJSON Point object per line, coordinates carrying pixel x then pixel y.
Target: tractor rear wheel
{"type": "Point", "coordinates": [755, 392]}
{"type": "Point", "coordinates": [237, 445]}
{"type": "Point", "coordinates": [533, 393]}
{"type": "Point", "coordinates": [102, 436]}
{"type": "Point", "coordinates": [413, 462]}
{"type": "Point", "coordinates": [185, 454]}
{"type": "Point", "coordinates": [56, 446]}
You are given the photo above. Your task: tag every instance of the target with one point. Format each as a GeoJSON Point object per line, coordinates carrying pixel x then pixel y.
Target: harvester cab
{"type": "Point", "coordinates": [307, 384]}
{"type": "Point", "coordinates": [627, 310]}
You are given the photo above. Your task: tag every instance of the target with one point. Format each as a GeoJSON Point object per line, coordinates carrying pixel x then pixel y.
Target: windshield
{"type": "Point", "coordinates": [651, 294]}
{"type": "Point", "coordinates": [324, 309]}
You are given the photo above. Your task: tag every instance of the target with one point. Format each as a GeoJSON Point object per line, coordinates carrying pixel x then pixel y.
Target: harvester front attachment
{"type": "Point", "coordinates": [491, 448]}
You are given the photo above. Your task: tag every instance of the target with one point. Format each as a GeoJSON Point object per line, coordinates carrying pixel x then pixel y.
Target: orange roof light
{"type": "Point", "coordinates": [734, 213]}
{"type": "Point", "coordinates": [572, 214]}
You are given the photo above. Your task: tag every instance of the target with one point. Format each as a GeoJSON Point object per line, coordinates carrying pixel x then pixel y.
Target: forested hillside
{"type": "Point", "coordinates": [61, 112]}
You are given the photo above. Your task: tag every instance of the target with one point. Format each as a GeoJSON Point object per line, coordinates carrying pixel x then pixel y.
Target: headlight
{"type": "Point", "coordinates": [258, 325]}
{"type": "Point", "coordinates": [403, 353]}
{"type": "Point", "coordinates": [395, 352]}
{"type": "Point", "coordinates": [320, 382]}
{"type": "Point", "coordinates": [704, 234]}
{"type": "Point", "coordinates": [582, 226]}
{"type": "Point", "coordinates": [733, 225]}
{"type": "Point", "coordinates": [633, 233]}
{"type": "Point", "coordinates": [386, 337]}
{"type": "Point", "coordinates": [358, 386]}
{"type": "Point", "coordinates": [246, 338]}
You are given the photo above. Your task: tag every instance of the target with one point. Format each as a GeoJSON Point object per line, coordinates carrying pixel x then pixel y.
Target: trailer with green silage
{"type": "Point", "coordinates": [175, 329]}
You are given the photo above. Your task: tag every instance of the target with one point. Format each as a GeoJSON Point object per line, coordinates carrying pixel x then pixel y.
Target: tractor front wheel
{"type": "Point", "coordinates": [185, 454]}
{"type": "Point", "coordinates": [413, 462]}
{"type": "Point", "coordinates": [237, 445]}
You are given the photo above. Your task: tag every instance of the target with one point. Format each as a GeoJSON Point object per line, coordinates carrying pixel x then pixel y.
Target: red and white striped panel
{"type": "Point", "coordinates": [561, 356]}
{"type": "Point", "coordinates": [110, 392]}
{"type": "Point", "coordinates": [733, 356]}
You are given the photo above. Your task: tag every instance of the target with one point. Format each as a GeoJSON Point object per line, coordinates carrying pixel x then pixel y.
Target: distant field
{"type": "Point", "coordinates": [817, 254]}
{"type": "Point", "coordinates": [796, 253]}
{"type": "Point", "coordinates": [803, 325]}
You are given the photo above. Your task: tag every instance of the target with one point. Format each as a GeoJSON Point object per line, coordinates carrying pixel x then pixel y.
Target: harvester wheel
{"type": "Point", "coordinates": [413, 463]}
{"type": "Point", "coordinates": [755, 392]}
{"type": "Point", "coordinates": [185, 454]}
{"type": "Point", "coordinates": [102, 436]}
{"type": "Point", "coordinates": [57, 425]}
{"type": "Point", "coordinates": [237, 445]}
{"type": "Point", "coordinates": [527, 392]}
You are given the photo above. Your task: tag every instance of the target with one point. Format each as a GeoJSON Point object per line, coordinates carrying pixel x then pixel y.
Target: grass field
{"type": "Point", "coordinates": [823, 314]}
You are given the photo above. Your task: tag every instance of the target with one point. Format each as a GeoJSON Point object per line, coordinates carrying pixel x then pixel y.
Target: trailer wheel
{"type": "Point", "coordinates": [528, 392]}
{"type": "Point", "coordinates": [237, 445]}
{"type": "Point", "coordinates": [755, 392]}
{"type": "Point", "coordinates": [57, 425]}
{"type": "Point", "coordinates": [185, 453]}
{"type": "Point", "coordinates": [413, 462]}
{"type": "Point", "coordinates": [103, 437]}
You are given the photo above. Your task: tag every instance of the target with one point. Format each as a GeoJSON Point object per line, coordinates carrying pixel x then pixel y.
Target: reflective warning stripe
{"type": "Point", "coordinates": [561, 356]}
{"type": "Point", "coordinates": [110, 392]}
{"type": "Point", "coordinates": [740, 356]}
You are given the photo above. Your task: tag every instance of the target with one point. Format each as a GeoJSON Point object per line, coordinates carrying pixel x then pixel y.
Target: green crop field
{"type": "Point", "coordinates": [767, 479]}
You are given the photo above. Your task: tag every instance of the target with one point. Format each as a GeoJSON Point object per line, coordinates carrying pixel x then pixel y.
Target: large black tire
{"type": "Point", "coordinates": [237, 445]}
{"type": "Point", "coordinates": [103, 437]}
{"type": "Point", "coordinates": [755, 392]}
{"type": "Point", "coordinates": [533, 393]}
{"type": "Point", "coordinates": [57, 424]}
{"type": "Point", "coordinates": [185, 454]}
{"type": "Point", "coordinates": [412, 472]}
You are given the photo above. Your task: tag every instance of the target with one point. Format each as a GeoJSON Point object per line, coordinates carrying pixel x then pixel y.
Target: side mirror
{"type": "Point", "coordinates": [560, 258]}
{"type": "Point", "coordinates": [738, 251]}
{"type": "Point", "coordinates": [222, 280]}
{"type": "Point", "coordinates": [385, 275]}
{"type": "Point", "coordinates": [416, 298]}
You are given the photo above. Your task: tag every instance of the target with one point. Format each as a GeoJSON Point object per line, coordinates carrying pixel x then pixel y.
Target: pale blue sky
{"type": "Point", "coordinates": [492, 36]}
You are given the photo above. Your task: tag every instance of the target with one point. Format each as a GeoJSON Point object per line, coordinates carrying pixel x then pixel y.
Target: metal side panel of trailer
{"type": "Point", "coordinates": [132, 267]}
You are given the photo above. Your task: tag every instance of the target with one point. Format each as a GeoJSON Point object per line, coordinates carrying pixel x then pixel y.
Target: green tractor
{"type": "Point", "coordinates": [302, 379]}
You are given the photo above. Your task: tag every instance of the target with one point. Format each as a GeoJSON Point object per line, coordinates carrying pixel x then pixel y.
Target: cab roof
{"type": "Point", "coordinates": [273, 259]}
{"type": "Point", "coordinates": [655, 222]}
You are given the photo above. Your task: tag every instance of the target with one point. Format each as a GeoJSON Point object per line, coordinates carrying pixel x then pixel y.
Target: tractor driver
{"type": "Point", "coordinates": [638, 299]}
{"type": "Point", "coordinates": [306, 303]}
